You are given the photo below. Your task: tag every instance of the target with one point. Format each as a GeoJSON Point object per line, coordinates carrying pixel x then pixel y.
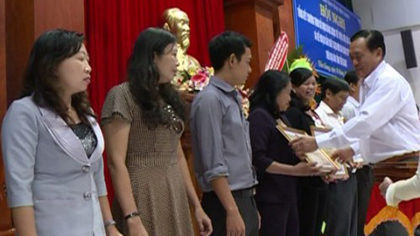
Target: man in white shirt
{"type": "Point", "coordinates": [387, 124]}
{"type": "Point", "coordinates": [364, 175]}
{"type": "Point", "coordinates": [334, 95]}
{"type": "Point", "coordinates": [342, 195]}
{"type": "Point", "coordinates": [351, 108]}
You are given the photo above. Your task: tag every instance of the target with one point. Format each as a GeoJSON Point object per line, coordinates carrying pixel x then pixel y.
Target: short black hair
{"type": "Point", "coordinates": [225, 44]}
{"type": "Point", "coordinates": [300, 75]}
{"type": "Point", "coordinates": [351, 77]}
{"type": "Point", "coordinates": [335, 86]}
{"type": "Point", "coordinates": [270, 84]}
{"type": "Point", "coordinates": [374, 39]}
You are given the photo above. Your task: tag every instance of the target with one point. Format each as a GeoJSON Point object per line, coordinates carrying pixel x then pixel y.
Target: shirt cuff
{"type": "Point", "coordinates": [322, 141]}
{"type": "Point", "coordinates": [358, 158]}
{"type": "Point", "coordinates": [389, 196]}
{"type": "Point", "coordinates": [220, 171]}
{"type": "Point", "coordinates": [262, 163]}
{"type": "Point", "coordinates": [356, 148]}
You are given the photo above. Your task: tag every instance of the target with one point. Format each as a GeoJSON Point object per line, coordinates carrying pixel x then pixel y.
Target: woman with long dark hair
{"type": "Point", "coordinates": [276, 164]}
{"type": "Point", "coordinates": [52, 145]}
{"type": "Point", "coordinates": [143, 120]}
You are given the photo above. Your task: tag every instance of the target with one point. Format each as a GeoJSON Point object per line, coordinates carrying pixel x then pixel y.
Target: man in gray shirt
{"type": "Point", "coordinates": [220, 140]}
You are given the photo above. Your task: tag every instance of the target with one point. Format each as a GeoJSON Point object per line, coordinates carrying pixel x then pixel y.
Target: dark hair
{"type": "Point", "coordinates": [351, 77]}
{"type": "Point", "coordinates": [334, 85]}
{"type": "Point", "coordinates": [40, 79]}
{"type": "Point", "coordinates": [226, 44]}
{"type": "Point", "coordinates": [299, 76]}
{"type": "Point", "coordinates": [270, 84]}
{"type": "Point", "coordinates": [143, 76]}
{"type": "Point", "coordinates": [374, 39]}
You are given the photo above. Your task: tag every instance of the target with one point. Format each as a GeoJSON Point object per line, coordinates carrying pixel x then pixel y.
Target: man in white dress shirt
{"type": "Point", "coordinates": [341, 218]}
{"type": "Point", "coordinates": [387, 124]}
{"type": "Point", "coordinates": [335, 93]}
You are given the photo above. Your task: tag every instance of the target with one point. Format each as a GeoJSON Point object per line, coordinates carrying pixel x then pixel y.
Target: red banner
{"type": "Point", "coordinates": [278, 54]}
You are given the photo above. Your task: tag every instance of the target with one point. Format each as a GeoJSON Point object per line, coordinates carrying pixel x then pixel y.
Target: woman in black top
{"type": "Point", "coordinates": [277, 166]}
{"type": "Point", "coordinates": [300, 114]}
{"type": "Point", "coordinates": [311, 190]}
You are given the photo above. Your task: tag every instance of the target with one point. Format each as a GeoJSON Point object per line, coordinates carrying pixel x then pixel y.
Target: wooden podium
{"type": "Point", "coordinates": [261, 21]}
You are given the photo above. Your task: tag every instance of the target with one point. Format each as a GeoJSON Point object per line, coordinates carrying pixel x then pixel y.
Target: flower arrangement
{"type": "Point", "coordinates": [195, 79]}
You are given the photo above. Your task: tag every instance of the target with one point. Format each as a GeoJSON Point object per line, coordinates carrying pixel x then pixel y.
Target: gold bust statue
{"type": "Point", "coordinates": [177, 22]}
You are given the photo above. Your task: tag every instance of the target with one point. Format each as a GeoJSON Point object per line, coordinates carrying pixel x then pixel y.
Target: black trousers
{"type": "Point", "coordinates": [279, 219]}
{"type": "Point", "coordinates": [247, 208]}
{"type": "Point", "coordinates": [312, 205]}
{"type": "Point", "coordinates": [365, 180]}
{"type": "Point", "coordinates": [341, 219]}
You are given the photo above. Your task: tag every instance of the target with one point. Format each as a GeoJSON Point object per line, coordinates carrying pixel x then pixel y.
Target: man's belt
{"type": "Point", "coordinates": [397, 168]}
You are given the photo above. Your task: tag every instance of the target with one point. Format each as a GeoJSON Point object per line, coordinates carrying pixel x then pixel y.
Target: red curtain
{"type": "Point", "coordinates": [112, 27]}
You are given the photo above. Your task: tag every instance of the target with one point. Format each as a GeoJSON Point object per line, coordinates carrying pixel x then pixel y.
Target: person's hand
{"type": "Point", "coordinates": [359, 165]}
{"type": "Point", "coordinates": [112, 231]}
{"type": "Point", "coordinates": [303, 144]}
{"type": "Point", "coordinates": [306, 169]}
{"type": "Point", "coordinates": [301, 157]}
{"type": "Point", "coordinates": [385, 185]}
{"type": "Point", "coordinates": [355, 164]}
{"type": "Point", "coordinates": [203, 221]}
{"type": "Point", "coordinates": [328, 179]}
{"type": "Point", "coordinates": [136, 227]}
{"type": "Point", "coordinates": [343, 155]}
{"type": "Point", "coordinates": [235, 226]}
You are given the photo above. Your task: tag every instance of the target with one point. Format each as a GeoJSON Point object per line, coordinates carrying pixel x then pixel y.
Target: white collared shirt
{"type": "Point", "coordinates": [351, 108]}
{"type": "Point", "coordinates": [329, 118]}
{"type": "Point", "coordinates": [387, 123]}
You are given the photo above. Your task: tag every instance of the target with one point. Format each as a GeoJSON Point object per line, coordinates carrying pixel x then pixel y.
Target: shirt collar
{"type": "Point", "coordinates": [323, 106]}
{"type": "Point", "coordinates": [221, 84]}
{"type": "Point", "coordinates": [353, 101]}
{"type": "Point", "coordinates": [370, 79]}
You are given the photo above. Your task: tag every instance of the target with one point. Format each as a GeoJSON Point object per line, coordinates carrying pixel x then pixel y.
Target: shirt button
{"type": "Point", "coordinates": [86, 168]}
{"type": "Point", "coordinates": [87, 196]}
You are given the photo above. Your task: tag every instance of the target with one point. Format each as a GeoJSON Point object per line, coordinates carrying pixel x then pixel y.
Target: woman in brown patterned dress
{"type": "Point", "coordinates": [143, 120]}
